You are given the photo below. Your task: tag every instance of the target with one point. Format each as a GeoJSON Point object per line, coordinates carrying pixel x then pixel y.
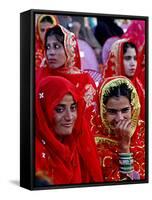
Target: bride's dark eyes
{"type": "Point", "coordinates": [73, 107]}
{"type": "Point", "coordinates": [61, 108]}
{"type": "Point", "coordinates": [114, 111]}
{"type": "Point", "coordinates": [57, 46]}
{"type": "Point", "coordinates": [129, 58]}
{"type": "Point", "coordinates": [111, 111]}
{"type": "Point", "coordinates": [54, 46]}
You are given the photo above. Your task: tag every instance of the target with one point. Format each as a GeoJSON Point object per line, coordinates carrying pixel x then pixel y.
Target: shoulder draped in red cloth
{"type": "Point", "coordinates": [73, 160]}
{"type": "Point", "coordinates": [107, 142]}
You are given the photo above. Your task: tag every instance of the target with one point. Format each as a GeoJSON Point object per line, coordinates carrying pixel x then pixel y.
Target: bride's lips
{"type": "Point", "coordinates": [68, 125]}
{"type": "Point", "coordinates": [52, 60]}
{"type": "Point", "coordinates": [132, 70]}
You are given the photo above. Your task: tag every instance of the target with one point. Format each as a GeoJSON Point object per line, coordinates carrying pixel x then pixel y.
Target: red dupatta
{"type": "Point", "coordinates": [107, 142]}
{"type": "Point", "coordinates": [136, 32]}
{"type": "Point", "coordinates": [141, 74]}
{"type": "Point", "coordinates": [74, 160]}
{"type": "Point", "coordinates": [115, 67]}
{"type": "Point", "coordinates": [39, 44]}
{"type": "Point", "coordinates": [73, 63]}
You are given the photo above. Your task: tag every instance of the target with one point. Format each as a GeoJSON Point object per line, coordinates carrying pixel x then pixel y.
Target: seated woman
{"type": "Point", "coordinates": [124, 60]}
{"type": "Point", "coordinates": [65, 149]}
{"type": "Point", "coordinates": [63, 59]}
{"type": "Point", "coordinates": [120, 141]}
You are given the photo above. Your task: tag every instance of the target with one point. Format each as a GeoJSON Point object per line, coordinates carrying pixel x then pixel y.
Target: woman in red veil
{"type": "Point", "coordinates": [63, 59]}
{"type": "Point", "coordinates": [65, 150]}
{"type": "Point", "coordinates": [43, 23]}
{"type": "Point", "coordinates": [136, 32]}
{"type": "Point", "coordinates": [121, 137]}
{"type": "Point", "coordinates": [124, 60]}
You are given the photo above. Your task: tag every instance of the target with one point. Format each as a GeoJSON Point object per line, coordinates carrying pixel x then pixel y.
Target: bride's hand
{"type": "Point", "coordinates": [123, 130]}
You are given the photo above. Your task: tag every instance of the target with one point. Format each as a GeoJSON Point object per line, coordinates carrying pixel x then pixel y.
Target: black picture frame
{"type": "Point", "coordinates": [27, 97]}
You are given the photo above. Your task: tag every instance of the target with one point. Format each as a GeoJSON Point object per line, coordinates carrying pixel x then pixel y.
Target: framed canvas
{"type": "Point", "coordinates": [83, 99]}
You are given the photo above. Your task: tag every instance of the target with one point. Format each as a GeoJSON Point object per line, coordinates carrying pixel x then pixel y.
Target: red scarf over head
{"type": "Point", "coordinates": [107, 142]}
{"type": "Point", "coordinates": [74, 160]}
{"type": "Point", "coordinates": [71, 48]}
{"type": "Point", "coordinates": [39, 44]}
{"type": "Point", "coordinates": [136, 32]}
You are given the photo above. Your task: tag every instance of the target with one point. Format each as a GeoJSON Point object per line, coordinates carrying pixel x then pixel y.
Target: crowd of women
{"type": "Point", "coordinates": [90, 100]}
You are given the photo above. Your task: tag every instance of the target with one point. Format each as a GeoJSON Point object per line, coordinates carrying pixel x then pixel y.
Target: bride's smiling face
{"type": "Point", "coordinates": [117, 109]}
{"type": "Point", "coordinates": [65, 115]}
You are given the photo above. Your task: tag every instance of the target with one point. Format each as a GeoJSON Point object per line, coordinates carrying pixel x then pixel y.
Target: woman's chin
{"type": "Point", "coordinates": [66, 132]}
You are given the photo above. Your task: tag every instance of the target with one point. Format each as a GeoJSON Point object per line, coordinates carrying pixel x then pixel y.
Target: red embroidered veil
{"type": "Point", "coordinates": [136, 32]}
{"type": "Point", "coordinates": [74, 160]}
{"type": "Point", "coordinates": [107, 142]}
